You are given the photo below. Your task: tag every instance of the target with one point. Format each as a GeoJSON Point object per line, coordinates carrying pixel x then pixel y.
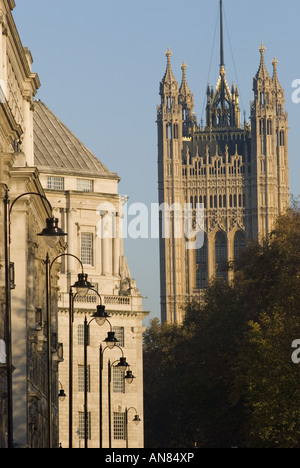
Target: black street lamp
{"type": "Point", "coordinates": [136, 421]}
{"type": "Point", "coordinates": [122, 366]}
{"type": "Point", "coordinates": [53, 232]}
{"type": "Point", "coordinates": [100, 317]}
{"type": "Point", "coordinates": [61, 395]}
{"type": "Point", "coordinates": [82, 286]}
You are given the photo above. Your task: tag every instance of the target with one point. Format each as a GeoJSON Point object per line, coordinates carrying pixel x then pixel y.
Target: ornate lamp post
{"type": "Point", "coordinates": [136, 421]}
{"type": "Point", "coordinates": [122, 366]}
{"type": "Point", "coordinates": [100, 316]}
{"type": "Point", "coordinates": [82, 286]}
{"type": "Point", "coordinates": [52, 233]}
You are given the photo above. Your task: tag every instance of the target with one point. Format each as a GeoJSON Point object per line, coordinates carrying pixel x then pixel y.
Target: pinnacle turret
{"type": "Point", "coordinates": [184, 88]}
{"type": "Point", "coordinates": [262, 73]}
{"type": "Point", "coordinates": [169, 77]}
{"type": "Point", "coordinates": [276, 83]}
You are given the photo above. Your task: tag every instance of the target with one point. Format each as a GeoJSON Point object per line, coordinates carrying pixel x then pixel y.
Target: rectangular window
{"type": "Point", "coordinates": [85, 185]}
{"type": "Point", "coordinates": [118, 381]}
{"type": "Point", "coordinates": [55, 183]}
{"type": "Point", "coordinates": [81, 426]}
{"type": "Point", "coordinates": [119, 426]}
{"type": "Point", "coordinates": [81, 378]}
{"type": "Point", "coordinates": [119, 334]}
{"type": "Point", "coordinates": [80, 335]}
{"type": "Point", "coordinates": [87, 248]}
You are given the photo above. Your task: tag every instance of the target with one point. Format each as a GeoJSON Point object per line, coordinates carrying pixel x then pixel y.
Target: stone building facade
{"type": "Point", "coordinates": [40, 160]}
{"type": "Point", "coordinates": [238, 173]}
{"type": "Point", "coordinates": [85, 195]}
{"type": "Point", "coordinates": [18, 86]}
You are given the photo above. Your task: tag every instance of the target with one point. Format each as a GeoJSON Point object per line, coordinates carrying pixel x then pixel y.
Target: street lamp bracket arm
{"type": "Point", "coordinates": [31, 193]}
{"type": "Point", "coordinates": [66, 255]}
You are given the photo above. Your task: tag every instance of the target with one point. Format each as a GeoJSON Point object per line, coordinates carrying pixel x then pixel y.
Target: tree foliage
{"type": "Point", "coordinates": [225, 376]}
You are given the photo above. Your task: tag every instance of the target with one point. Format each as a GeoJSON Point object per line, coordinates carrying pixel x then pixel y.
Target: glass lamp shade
{"type": "Point", "coordinates": [62, 396]}
{"type": "Point", "coordinates": [129, 377]}
{"type": "Point", "coordinates": [111, 340]}
{"type": "Point", "coordinates": [137, 419]}
{"type": "Point", "coordinates": [100, 315]}
{"type": "Point", "coordinates": [52, 233]}
{"type": "Point", "coordinates": [122, 364]}
{"type": "Point", "coordinates": [82, 285]}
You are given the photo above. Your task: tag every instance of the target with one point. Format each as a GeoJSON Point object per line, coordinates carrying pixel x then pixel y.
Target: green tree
{"type": "Point", "coordinates": [268, 285]}
{"type": "Point", "coordinates": [225, 377]}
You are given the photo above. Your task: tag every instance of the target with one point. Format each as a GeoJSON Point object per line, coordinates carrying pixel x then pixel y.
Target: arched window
{"type": "Point", "coordinates": [201, 266]}
{"type": "Point", "coordinates": [239, 244]}
{"type": "Point", "coordinates": [221, 255]}
{"type": "Point", "coordinates": [169, 131]}
{"type": "Point", "coordinates": [262, 127]}
{"type": "Point", "coordinates": [175, 133]}
{"type": "Point", "coordinates": [269, 127]}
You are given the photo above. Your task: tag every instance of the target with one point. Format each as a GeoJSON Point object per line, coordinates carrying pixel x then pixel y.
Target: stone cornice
{"type": "Point", "coordinates": [11, 4]}
{"type": "Point", "coordinates": [68, 172]}
{"type": "Point", "coordinates": [13, 129]}
{"type": "Point", "coordinates": [122, 313]}
{"type": "Point", "coordinates": [21, 54]}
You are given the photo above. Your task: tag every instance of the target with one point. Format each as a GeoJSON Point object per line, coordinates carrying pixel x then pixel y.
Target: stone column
{"type": "Point", "coordinates": [106, 244]}
{"type": "Point", "coordinates": [116, 246]}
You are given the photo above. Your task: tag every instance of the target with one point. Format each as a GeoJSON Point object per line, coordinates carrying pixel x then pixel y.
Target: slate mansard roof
{"type": "Point", "coordinates": [57, 149]}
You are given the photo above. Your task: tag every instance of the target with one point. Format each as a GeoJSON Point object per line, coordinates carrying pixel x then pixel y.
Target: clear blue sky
{"type": "Point", "coordinates": [100, 64]}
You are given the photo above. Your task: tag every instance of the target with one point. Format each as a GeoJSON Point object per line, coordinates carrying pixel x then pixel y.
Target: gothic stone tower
{"type": "Point", "coordinates": [238, 172]}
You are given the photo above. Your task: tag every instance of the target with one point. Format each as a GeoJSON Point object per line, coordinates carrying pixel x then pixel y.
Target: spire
{"type": "Point", "coordinates": [222, 104]}
{"type": "Point", "coordinates": [169, 77]}
{"type": "Point", "coordinates": [184, 88]}
{"type": "Point", "coordinates": [222, 64]}
{"type": "Point", "coordinates": [186, 100]}
{"type": "Point", "coordinates": [262, 71]}
{"type": "Point", "coordinates": [275, 76]}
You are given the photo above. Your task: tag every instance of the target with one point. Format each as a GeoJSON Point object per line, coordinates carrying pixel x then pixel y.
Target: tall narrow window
{"type": "Point", "coordinates": [239, 244]}
{"type": "Point", "coordinates": [87, 248]}
{"type": "Point", "coordinates": [201, 266]}
{"type": "Point", "coordinates": [81, 378]}
{"type": "Point", "coordinates": [175, 132]}
{"type": "Point", "coordinates": [81, 426]}
{"type": "Point", "coordinates": [119, 334]}
{"type": "Point", "coordinates": [221, 255]}
{"type": "Point", "coordinates": [169, 132]}
{"type": "Point", "coordinates": [119, 426]}
{"type": "Point", "coordinates": [80, 335]}
{"type": "Point", "coordinates": [269, 127]}
{"type": "Point", "coordinates": [118, 381]}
